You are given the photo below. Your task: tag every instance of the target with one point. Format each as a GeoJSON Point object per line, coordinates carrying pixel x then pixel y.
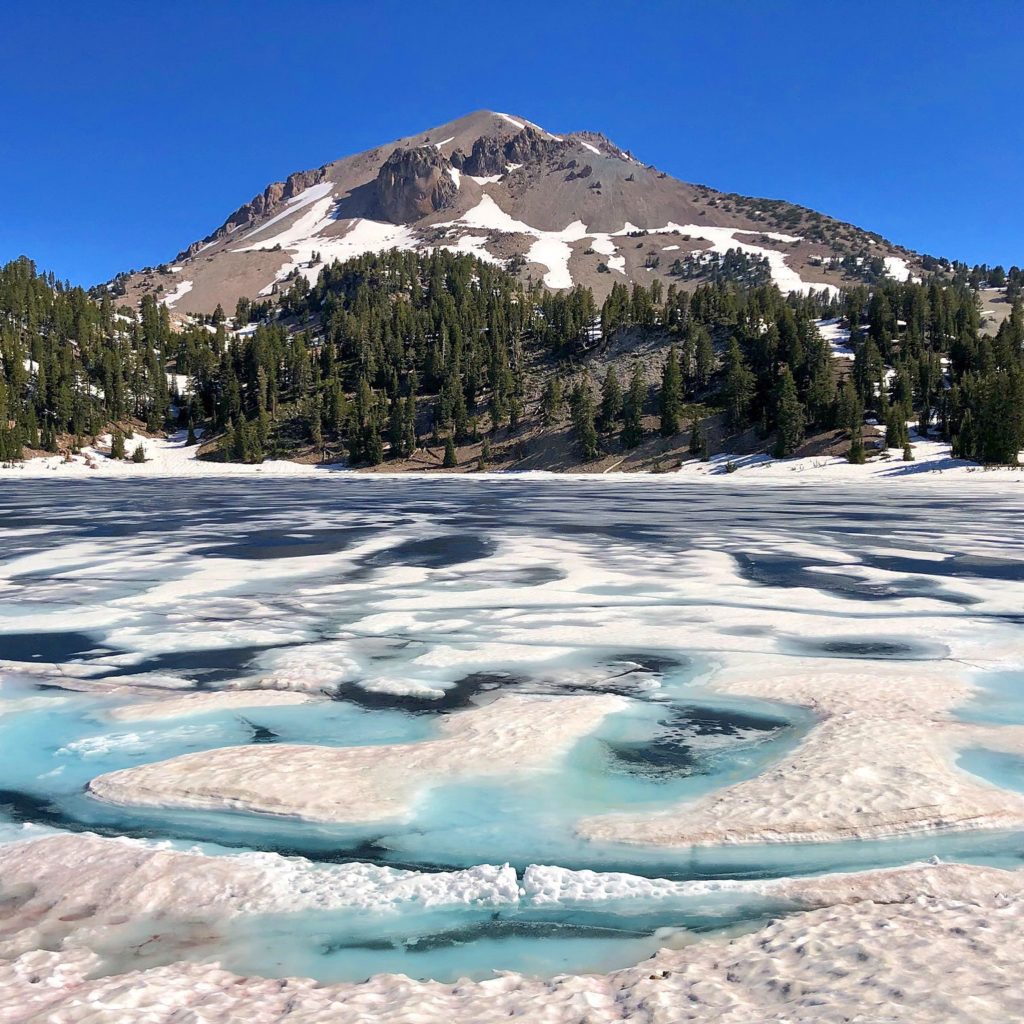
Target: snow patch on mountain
{"type": "Point", "coordinates": [723, 239]}
{"type": "Point", "coordinates": [363, 236]}
{"type": "Point", "coordinates": [311, 223]}
{"type": "Point", "coordinates": [898, 268]}
{"type": "Point", "coordinates": [837, 336]}
{"type": "Point", "coordinates": [313, 231]}
{"type": "Point", "coordinates": [473, 245]}
{"type": "Point", "coordinates": [172, 298]}
{"type": "Point", "coordinates": [553, 251]}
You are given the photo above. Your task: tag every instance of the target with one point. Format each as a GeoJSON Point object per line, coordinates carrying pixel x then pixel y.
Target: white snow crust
{"type": "Point", "coordinates": [515, 733]}
{"type": "Point", "coordinates": [928, 945]}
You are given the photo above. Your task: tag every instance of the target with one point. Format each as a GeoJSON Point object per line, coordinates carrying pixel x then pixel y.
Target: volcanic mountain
{"type": "Point", "coordinates": [571, 209]}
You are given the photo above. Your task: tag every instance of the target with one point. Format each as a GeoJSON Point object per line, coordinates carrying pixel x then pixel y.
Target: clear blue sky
{"type": "Point", "coordinates": [129, 130]}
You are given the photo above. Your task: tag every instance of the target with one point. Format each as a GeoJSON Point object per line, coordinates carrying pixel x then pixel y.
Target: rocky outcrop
{"type": "Point", "coordinates": [413, 183]}
{"type": "Point", "coordinates": [492, 155]}
{"type": "Point", "coordinates": [531, 146]}
{"type": "Point", "coordinates": [265, 203]}
{"type": "Point", "coordinates": [487, 158]}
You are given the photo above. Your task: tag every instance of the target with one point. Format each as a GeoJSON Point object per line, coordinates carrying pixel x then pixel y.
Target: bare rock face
{"type": "Point", "coordinates": [266, 202]}
{"type": "Point", "coordinates": [492, 155]}
{"type": "Point", "coordinates": [531, 146]}
{"type": "Point", "coordinates": [487, 158]}
{"type": "Point", "coordinates": [413, 183]}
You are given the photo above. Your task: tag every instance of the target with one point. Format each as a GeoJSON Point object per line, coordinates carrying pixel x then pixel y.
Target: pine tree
{"type": "Point", "coordinates": [117, 450]}
{"type": "Point", "coordinates": [450, 459]}
{"type": "Point", "coordinates": [789, 416]}
{"type": "Point", "coordinates": [551, 404]}
{"type": "Point", "coordinates": [704, 357]}
{"type": "Point", "coordinates": [697, 445]}
{"type": "Point", "coordinates": [821, 383]}
{"type": "Point", "coordinates": [856, 453]}
{"type": "Point", "coordinates": [139, 455]}
{"type": "Point", "coordinates": [671, 394]}
{"type": "Point", "coordinates": [896, 434]}
{"type": "Point", "coordinates": [409, 441]}
{"type": "Point", "coordinates": [633, 430]}
{"type": "Point", "coordinates": [374, 447]}
{"type": "Point", "coordinates": [611, 401]}
{"type": "Point", "coordinates": [737, 387]}
{"type": "Point", "coordinates": [855, 426]}
{"type": "Point", "coordinates": [848, 408]}
{"type": "Point", "coordinates": [964, 444]}
{"type": "Point", "coordinates": [583, 420]}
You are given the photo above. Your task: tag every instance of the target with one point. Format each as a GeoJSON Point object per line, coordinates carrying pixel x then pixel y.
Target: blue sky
{"type": "Point", "coordinates": [131, 129]}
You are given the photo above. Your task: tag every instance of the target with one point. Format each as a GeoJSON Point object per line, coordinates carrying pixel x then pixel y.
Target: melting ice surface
{"type": "Point", "coordinates": [395, 604]}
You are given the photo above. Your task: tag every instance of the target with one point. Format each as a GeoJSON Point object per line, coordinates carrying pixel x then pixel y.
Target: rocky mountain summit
{"type": "Point", "coordinates": [566, 210]}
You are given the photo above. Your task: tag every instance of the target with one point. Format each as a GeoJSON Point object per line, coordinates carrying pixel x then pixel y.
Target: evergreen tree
{"type": "Point", "coordinates": [737, 387]}
{"type": "Point", "coordinates": [611, 401]}
{"type": "Point", "coordinates": [450, 459]}
{"type": "Point", "coordinates": [856, 452]}
{"type": "Point", "coordinates": [583, 420]}
{"type": "Point", "coordinates": [117, 450]}
{"type": "Point", "coordinates": [704, 357]}
{"type": "Point", "coordinates": [789, 416]}
{"type": "Point", "coordinates": [551, 404]}
{"type": "Point", "coordinates": [697, 445]}
{"type": "Point", "coordinates": [671, 395]}
{"type": "Point", "coordinates": [896, 434]}
{"type": "Point", "coordinates": [633, 430]}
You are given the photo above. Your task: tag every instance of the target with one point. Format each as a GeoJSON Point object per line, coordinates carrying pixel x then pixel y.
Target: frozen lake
{"type": "Point", "coordinates": [656, 631]}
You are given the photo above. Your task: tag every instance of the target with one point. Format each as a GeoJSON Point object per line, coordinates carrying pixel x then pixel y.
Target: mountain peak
{"type": "Point", "coordinates": [562, 209]}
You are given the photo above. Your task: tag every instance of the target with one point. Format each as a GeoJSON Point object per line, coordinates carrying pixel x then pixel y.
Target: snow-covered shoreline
{"type": "Point", "coordinates": [172, 458]}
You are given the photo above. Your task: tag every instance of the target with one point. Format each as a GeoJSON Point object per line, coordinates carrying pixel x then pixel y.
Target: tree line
{"type": "Point", "coordinates": [387, 350]}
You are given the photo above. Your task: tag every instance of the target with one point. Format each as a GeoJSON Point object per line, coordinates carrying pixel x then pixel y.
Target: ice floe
{"type": "Point", "coordinates": [513, 734]}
